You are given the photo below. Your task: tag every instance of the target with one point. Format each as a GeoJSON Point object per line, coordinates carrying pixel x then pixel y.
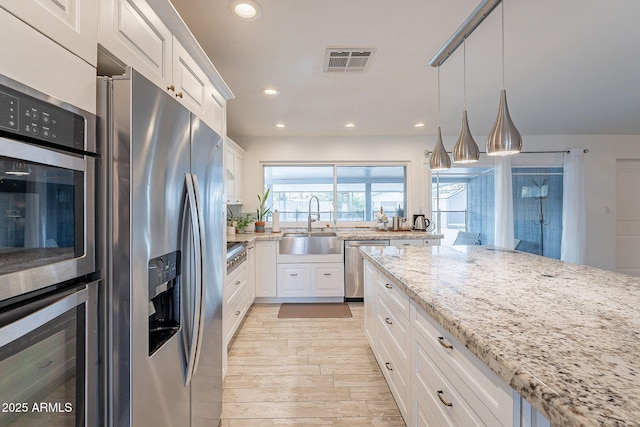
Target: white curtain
{"type": "Point", "coordinates": [574, 221]}
{"type": "Point", "coordinates": [503, 234]}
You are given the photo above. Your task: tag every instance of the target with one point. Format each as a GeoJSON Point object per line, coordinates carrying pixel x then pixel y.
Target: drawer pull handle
{"type": "Point", "coordinates": [444, 343]}
{"type": "Point", "coordinates": [237, 282]}
{"type": "Point", "coordinates": [406, 244]}
{"type": "Point", "coordinates": [388, 286]}
{"type": "Point", "coordinates": [388, 321]}
{"type": "Point", "coordinates": [238, 313]}
{"type": "Point", "coordinates": [444, 402]}
{"type": "Point", "coordinates": [294, 274]}
{"type": "Point", "coordinates": [388, 366]}
{"type": "Point", "coordinates": [179, 95]}
{"type": "Point", "coordinates": [327, 274]}
{"type": "Point", "coordinates": [172, 88]}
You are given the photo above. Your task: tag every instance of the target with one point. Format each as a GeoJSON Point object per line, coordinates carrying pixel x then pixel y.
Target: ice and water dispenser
{"type": "Point", "coordinates": [164, 299]}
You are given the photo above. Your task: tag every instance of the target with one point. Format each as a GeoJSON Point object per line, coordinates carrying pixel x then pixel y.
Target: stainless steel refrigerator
{"type": "Point", "coordinates": [163, 228]}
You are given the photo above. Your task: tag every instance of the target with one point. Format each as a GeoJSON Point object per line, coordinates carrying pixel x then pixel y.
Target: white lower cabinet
{"type": "Point", "coordinates": [434, 379]}
{"type": "Point", "coordinates": [310, 280]}
{"type": "Point", "coordinates": [266, 273]}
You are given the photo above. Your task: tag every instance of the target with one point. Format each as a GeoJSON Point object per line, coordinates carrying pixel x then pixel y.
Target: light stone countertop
{"type": "Point", "coordinates": [344, 234]}
{"type": "Point", "coordinates": [564, 336]}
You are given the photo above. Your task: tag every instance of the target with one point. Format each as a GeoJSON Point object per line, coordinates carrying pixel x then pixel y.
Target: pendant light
{"type": "Point", "coordinates": [466, 150]}
{"type": "Point", "coordinates": [439, 158]}
{"type": "Point", "coordinates": [504, 139]}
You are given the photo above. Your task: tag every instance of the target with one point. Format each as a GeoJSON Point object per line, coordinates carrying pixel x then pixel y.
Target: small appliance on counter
{"type": "Point", "coordinates": [420, 222]}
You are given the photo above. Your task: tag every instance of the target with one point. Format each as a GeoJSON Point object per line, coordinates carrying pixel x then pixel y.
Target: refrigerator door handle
{"type": "Point", "coordinates": [191, 215]}
{"type": "Point", "coordinates": [200, 285]}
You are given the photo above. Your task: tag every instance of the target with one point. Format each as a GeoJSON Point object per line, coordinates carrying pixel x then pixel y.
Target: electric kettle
{"type": "Point", "coordinates": [420, 223]}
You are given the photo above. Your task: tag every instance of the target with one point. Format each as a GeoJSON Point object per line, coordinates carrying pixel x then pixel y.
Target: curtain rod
{"type": "Point", "coordinates": [477, 16]}
{"type": "Point", "coordinates": [585, 151]}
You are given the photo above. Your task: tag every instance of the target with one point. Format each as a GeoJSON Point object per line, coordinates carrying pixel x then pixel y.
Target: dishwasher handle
{"type": "Point", "coordinates": [358, 243]}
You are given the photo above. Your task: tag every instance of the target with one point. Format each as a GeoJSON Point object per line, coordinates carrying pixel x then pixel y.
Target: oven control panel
{"type": "Point", "coordinates": [26, 116]}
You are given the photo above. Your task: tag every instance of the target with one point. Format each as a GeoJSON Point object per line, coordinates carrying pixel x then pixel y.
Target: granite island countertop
{"type": "Point", "coordinates": [564, 336]}
{"type": "Point", "coordinates": [343, 234]}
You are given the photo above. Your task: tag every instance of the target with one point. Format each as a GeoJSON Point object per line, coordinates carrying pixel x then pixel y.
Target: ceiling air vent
{"type": "Point", "coordinates": [341, 60]}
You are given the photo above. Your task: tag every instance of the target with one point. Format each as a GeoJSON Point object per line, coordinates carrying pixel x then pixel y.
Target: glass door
{"type": "Point", "coordinates": [48, 361]}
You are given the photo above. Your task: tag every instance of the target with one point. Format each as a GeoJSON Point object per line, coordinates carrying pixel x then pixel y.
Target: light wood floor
{"type": "Point", "coordinates": [305, 372]}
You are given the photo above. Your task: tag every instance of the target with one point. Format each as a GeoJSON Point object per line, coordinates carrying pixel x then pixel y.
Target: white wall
{"type": "Point", "coordinates": [600, 170]}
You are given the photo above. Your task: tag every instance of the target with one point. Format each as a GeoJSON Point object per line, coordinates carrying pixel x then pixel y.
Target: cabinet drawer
{"type": "Point", "coordinates": [293, 280]}
{"type": "Point", "coordinates": [394, 330]}
{"type": "Point", "coordinates": [434, 398]}
{"type": "Point", "coordinates": [328, 280]}
{"type": "Point", "coordinates": [489, 396]}
{"type": "Point", "coordinates": [235, 280]}
{"type": "Point", "coordinates": [396, 375]}
{"type": "Point", "coordinates": [397, 300]}
{"type": "Point", "coordinates": [233, 314]}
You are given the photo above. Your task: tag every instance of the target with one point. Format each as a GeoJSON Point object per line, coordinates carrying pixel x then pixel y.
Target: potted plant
{"type": "Point", "coordinates": [262, 211]}
{"type": "Point", "coordinates": [238, 223]}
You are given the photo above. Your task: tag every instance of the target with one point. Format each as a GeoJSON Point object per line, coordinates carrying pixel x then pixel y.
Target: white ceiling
{"type": "Point", "coordinates": [571, 66]}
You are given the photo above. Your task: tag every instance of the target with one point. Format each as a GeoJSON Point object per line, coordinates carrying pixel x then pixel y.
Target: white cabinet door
{"type": "Point", "coordinates": [370, 301]}
{"type": "Point", "coordinates": [216, 117]}
{"type": "Point", "coordinates": [70, 23]}
{"type": "Point", "coordinates": [431, 242]}
{"type": "Point", "coordinates": [234, 169]}
{"type": "Point", "coordinates": [293, 280]}
{"type": "Point", "coordinates": [327, 280]}
{"type": "Point", "coordinates": [66, 77]}
{"type": "Point", "coordinates": [132, 32]}
{"type": "Point", "coordinates": [191, 83]}
{"type": "Point", "coordinates": [251, 274]}
{"type": "Point", "coordinates": [266, 274]}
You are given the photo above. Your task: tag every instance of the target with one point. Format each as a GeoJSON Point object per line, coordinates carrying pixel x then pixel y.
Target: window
{"type": "Point", "coordinates": [463, 200]}
{"type": "Point", "coordinates": [347, 193]}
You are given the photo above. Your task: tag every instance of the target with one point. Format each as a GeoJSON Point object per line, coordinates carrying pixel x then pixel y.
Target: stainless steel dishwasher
{"type": "Point", "coordinates": [354, 267]}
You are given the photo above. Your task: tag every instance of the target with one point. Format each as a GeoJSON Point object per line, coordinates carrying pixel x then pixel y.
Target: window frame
{"type": "Point", "coordinates": [335, 165]}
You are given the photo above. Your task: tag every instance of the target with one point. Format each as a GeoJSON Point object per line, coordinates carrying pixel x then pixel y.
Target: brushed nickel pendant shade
{"type": "Point", "coordinates": [439, 158]}
{"type": "Point", "coordinates": [466, 150]}
{"type": "Point", "coordinates": [504, 139]}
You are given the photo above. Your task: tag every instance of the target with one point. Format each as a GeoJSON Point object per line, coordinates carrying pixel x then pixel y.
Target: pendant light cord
{"type": "Point", "coordinates": [502, 8]}
{"type": "Point", "coordinates": [464, 70]}
{"type": "Point", "coordinates": [438, 96]}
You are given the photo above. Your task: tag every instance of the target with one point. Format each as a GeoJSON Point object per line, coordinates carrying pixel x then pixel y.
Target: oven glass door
{"type": "Point", "coordinates": [43, 360]}
{"type": "Point", "coordinates": [45, 202]}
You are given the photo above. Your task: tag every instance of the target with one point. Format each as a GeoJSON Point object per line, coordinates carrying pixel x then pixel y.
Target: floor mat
{"type": "Point", "coordinates": [315, 310]}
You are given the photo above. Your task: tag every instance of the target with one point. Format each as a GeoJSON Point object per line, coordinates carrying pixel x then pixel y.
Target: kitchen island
{"type": "Point", "coordinates": [565, 337]}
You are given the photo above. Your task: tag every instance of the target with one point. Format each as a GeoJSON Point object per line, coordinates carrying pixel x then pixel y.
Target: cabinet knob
{"type": "Point", "coordinates": [444, 343]}
{"type": "Point", "coordinates": [388, 366]}
{"type": "Point", "coordinates": [444, 402]}
{"type": "Point", "coordinates": [179, 95]}
{"type": "Point", "coordinates": [388, 321]}
{"type": "Point", "coordinates": [172, 88]}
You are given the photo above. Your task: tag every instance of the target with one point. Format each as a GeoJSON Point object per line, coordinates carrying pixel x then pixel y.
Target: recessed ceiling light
{"type": "Point", "coordinates": [281, 125]}
{"type": "Point", "coordinates": [271, 91]}
{"type": "Point", "coordinates": [350, 125]}
{"type": "Point", "coordinates": [246, 9]}
{"type": "Point", "coordinates": [419, 125]}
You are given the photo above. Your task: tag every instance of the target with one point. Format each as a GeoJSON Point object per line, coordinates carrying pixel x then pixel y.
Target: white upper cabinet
{"type": "Point", "coordinates": [234, 171]}
{"type": "Point", "coordinates": [70, 23]}
{"type": "Point", "coordinates": [152, 38]}
{"type": "Point", "coordinates": [190, 83]}
{"type": "Point", "coordinates": [135, 35]}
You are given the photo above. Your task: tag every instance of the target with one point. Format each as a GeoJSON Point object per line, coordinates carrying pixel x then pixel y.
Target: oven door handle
{"type": "Point", "coordinates": [194, 291]}
{"type": "Point", "coordinates": [31, 322]}
{"type": "Point", "coordinates": [31, 153]}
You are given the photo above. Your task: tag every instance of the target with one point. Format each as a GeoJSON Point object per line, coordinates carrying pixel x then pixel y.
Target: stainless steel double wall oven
{"type": "Point", "coordinates": [48, 279]}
